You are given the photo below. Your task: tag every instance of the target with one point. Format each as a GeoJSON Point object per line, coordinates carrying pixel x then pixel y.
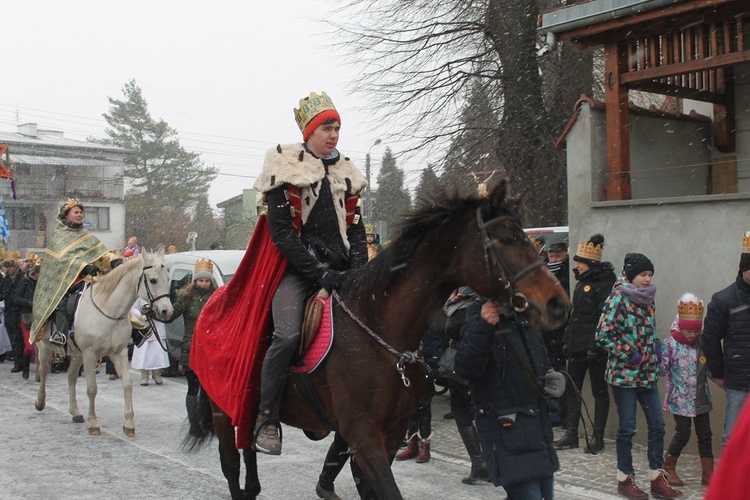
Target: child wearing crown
{"type": "Point", "coordinates": [687, 396]}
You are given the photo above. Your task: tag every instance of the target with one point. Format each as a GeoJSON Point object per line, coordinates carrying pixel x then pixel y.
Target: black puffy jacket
{"type": "Point", "coordinates": [591, 291]}
{"type": "Point", "coordinates": [728, 319]}
{"type": "Point", "coordinates": [521, 450]}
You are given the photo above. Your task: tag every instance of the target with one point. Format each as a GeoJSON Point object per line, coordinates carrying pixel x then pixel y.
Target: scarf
{"type": "Point", "coordinates": [641, 296]}
{"type": "Point", "coordinates": [678, 336]}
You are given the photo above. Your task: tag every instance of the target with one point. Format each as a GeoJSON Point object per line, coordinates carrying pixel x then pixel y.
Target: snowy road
{"type": "Point", "coordinates": [45, 455]}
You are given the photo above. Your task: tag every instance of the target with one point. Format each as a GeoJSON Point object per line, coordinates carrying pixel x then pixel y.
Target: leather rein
{"type": "Point", "coordinates": [152, 299]}
{"type": "Point", "coordinates": [491, 256]}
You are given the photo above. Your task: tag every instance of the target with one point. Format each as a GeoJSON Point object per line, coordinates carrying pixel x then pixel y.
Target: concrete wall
{"type": "Point", "coordinates": [693, 239]}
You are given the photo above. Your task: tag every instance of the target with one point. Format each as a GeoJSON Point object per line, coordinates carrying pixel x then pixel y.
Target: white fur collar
{"type": "Point", "coordinates": [292, 164]}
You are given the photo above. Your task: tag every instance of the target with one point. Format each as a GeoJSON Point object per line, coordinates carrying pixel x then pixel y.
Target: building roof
{"type": "Point", "coordinates": [50, 139]}
{"type": "Point", "coordinates": [73, 160]}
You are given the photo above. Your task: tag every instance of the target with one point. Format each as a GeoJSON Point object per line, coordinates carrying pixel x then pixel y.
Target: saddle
{"type": "Point", "coordinates": [311, 323]}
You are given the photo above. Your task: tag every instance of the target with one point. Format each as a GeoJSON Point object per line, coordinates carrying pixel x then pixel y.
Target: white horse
{"type": "Point", "coordinates": [103, 328]}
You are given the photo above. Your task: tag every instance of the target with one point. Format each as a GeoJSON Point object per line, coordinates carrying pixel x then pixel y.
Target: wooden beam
{"type": "Point", "coordinates": [678, 91]}
{"type": "Point", "coordinates": [669, 12]}
{"type": "Point", "coordinates": [724, 113]}
{"type": "Point", "coordinates": [720, 61]}
{"type": "Point", "coordinates": [618, 122]}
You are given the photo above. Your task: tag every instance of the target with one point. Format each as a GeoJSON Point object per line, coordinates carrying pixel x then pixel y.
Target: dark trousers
{"type": "Point", "coordinates": [460, 404]}
{"type": "Point", "coordinates": [13, 327]}
{"type": "Point", "coordinates": [682, 434]}
{"type": "Point", "coordinates": [577, 368]}
{"type": "Point", "coordinates": [421, 422]}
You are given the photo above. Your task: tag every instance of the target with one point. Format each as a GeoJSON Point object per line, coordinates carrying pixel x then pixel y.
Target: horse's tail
{"type": "Point", "coordinates": [201, 423]}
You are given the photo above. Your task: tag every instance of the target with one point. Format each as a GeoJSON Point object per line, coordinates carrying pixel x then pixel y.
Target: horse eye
{"type": "Point", "coordinates": [152, 281]}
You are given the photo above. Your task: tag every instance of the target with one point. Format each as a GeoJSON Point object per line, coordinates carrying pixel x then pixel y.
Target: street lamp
{"type": "Point", "coordinates": [368, 207]}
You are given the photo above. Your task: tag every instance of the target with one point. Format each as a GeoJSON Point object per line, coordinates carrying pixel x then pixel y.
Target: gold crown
{"type": "Point", "coordinates": [371, 229]}
{"type": "Point", "coordinates": [310, 107]}
{"type": "Point", "coordinates": [12, 256]}
{"type": "Point", "coordinates": [690, 310]}
{"type": "Point", "coordinates": [746, 242]}
{"type": "Point", "coordinates": [69, 203]}
{"type": "Point", "coordinates": [31, 256]}
{"type": "Point", "coordinates": [589, 251]}
{"type": "Point", "coordinates": [204, 266]}
{"type": "Point", "coordinates": [538, 244]}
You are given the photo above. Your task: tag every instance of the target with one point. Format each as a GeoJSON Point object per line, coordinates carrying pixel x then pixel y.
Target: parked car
{"type": "Point", "coordinates": [180, 267]}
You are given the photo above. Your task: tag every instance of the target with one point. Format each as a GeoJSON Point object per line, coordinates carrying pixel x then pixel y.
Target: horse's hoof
{"type": "Point", "coordinates": [128, 431]}
{"type": "Point", "coordinates": [95, 431]}
{"type": "Point", "coordinates": [39, 405]}
{"type": "Point", "coordinates": [78, 419]}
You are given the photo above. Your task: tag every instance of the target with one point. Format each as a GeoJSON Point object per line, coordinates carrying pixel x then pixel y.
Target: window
{"type": "Point", "coordinates": [98, 217]}
{"type": "Point", "coordinates": [180, 278]}
{"type": "Point", "coordinates": [21, 217]}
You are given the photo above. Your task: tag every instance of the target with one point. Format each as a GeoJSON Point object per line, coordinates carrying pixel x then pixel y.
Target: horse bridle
{"type": "Point", "coordinates": [149, 294]}
{"type": "Point", "coordinates": [492, 257]}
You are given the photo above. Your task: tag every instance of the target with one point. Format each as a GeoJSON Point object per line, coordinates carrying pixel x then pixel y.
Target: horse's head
{"type": "Point", "coordinates": [501, 263]}
{"type": "Point", "coordinates": [154, 285]}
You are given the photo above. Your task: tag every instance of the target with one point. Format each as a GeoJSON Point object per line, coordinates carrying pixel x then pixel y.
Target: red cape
{"type": "Point", "coordinates": [731, 479]}
{"type": "Point", "coordinates": [233, 331]}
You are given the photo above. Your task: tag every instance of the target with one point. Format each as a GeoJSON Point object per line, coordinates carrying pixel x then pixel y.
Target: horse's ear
{"type": "Point", "coordinates": [497, 196]}
{"type": "Point", "coordinates": [517, 204]}
{"type": "Point", "coordinates": [160, 252]}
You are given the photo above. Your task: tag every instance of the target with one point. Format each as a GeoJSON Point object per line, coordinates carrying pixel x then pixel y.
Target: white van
{"type": "Point", "coordinates": [552, 234]}
{"type": "Point", "coordinates": [180, 267]}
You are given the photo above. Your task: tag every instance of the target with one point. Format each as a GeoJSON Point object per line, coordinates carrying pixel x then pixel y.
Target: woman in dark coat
{"type": "Point", "coordinates": [24, 299]}
{"type": "Point", "coordinates": [499, 353]}
{"type": "Point", "coordinates": [595, 281]}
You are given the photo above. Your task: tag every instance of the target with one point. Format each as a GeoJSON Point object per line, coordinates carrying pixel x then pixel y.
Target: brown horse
{"type": "Point", "coordinates": [442, 244]}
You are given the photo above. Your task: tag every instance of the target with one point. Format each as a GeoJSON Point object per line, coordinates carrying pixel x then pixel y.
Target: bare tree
{"type": "Point", "coordinates": [421, 60]}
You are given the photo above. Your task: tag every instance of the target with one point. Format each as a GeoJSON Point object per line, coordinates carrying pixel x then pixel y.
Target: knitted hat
{"type": "Point", "coordinates": [590, 252]}
{"type": "Point", "coordinates": [313, 112]}
{"type": "Point", "coordinates": [635, 264]}
{"type": "Point", "coordinates": [204, 268]}
{"type": "Point", "coordinates": [745, 257]}
{"type": "Point", "coordinates": [690, 312]}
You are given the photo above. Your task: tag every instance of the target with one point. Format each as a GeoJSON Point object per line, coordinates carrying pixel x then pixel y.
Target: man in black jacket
{"type": "Point", "coordinates": [510, 377]}
{"type": "Point", "coordinates": [11, 316]}
{"type": "Point", "coordinates": [595, 281]}
{"type": "Point", "coordinates": [559, 264]}
{"type": "Point", "coordinates": [726, 340]}
{"type": "Point", "coordinates": [24, 300]}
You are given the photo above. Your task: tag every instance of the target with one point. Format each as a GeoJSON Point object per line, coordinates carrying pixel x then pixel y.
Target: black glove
{"type": "Point", "coordinates": [116, 262]}
{"type": "Point", "coordinates": [91, 270]}
{"type": "Point", "coordinates": [330, 280]}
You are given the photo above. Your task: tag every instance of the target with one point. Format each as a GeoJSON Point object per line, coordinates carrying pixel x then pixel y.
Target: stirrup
{"type": "Point", "coordinates": [260, 428]}
{"type": "Point", "coordinates": [58, 338]}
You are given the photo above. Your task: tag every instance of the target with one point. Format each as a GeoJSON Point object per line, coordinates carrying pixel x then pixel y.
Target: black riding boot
{"type": "Point", "coordinates": [60, 334]}
{"type": "Point", "coordinates": [26, 363]}
{"type": "Point", "coordinates": [596, 443]}
{"type": "Point", "coordinates": [471, 441]}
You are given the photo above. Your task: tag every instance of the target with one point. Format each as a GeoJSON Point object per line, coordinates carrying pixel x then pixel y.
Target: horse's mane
{"type": "Point", "coordinates": [431, 213]}
{"type": "Point", "coordinates": [106, 285]}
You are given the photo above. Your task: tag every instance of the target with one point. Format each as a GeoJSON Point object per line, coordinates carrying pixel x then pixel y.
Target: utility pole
{"type": "Point", "coordinates": [368, 207]}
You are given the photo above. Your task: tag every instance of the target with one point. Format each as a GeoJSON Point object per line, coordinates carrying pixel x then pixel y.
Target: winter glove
{"type": "Point", "coordinates": [554, 383]}
{"type": "Point", "coordinates": [330, 280]}
{"type": "Point", "coordinates": [657, 349]}
{"type": "Point", "coordinates": [635, 359]}
{"type": "Point", "coordinates": [116, 262]}
{"type": "Point", "coordinates": [91, 270]}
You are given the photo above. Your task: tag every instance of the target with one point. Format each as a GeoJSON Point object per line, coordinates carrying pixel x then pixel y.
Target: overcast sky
{"type": "Point", "coordinates": [225, 74]}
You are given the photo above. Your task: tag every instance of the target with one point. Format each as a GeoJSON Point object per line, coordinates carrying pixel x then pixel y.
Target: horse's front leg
{"type": "Point", "coordinates": [229, 456]}
{"type": "Point", "coordinates": [374, 461]}
{"type": "Point", "coordinates": [42, 370]}
{"type": "Point", "coordinates": [73, 368]}
{"type": "Point", "coordinates": [120, 360]}
{"type": "Point", "coordinates": [89, 370]}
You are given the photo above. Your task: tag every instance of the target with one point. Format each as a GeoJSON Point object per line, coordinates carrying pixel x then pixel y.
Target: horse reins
{"type": "Point", "coordinates": [149, 294]}
{"type": "Point", "coordinates": [404, 358]}
{"type": "Point", "coordinates": [492, 257]}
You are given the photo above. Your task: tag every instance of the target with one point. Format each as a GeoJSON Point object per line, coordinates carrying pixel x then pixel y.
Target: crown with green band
{"type": "Point", "coordinates": [310, 107]}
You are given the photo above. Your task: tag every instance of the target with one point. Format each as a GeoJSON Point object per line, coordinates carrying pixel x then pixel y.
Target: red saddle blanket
{"type": "Point", "coordinates": [322, 342]}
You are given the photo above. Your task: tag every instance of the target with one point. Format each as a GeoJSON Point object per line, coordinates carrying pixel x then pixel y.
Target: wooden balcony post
{"type": "Point", "coordinates": [618, 123]}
